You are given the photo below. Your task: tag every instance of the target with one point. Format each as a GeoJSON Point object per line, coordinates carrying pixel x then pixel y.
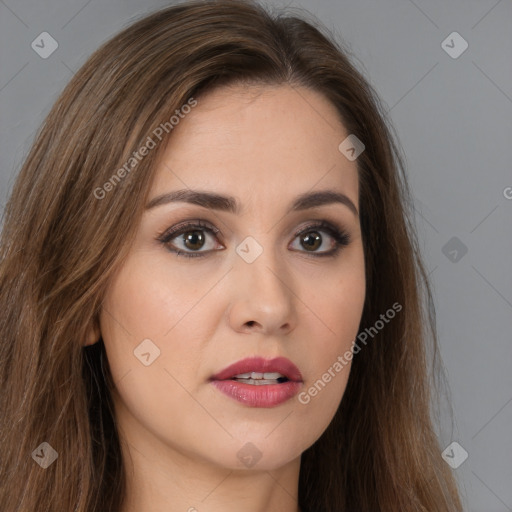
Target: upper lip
{"type": "Point", "coordinates": [260, 365]}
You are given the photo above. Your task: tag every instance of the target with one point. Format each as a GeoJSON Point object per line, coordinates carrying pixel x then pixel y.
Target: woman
{"type": "Point", "coordinates": [212, 295]}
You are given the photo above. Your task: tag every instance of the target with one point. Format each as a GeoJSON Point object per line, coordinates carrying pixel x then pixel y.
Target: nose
{"type": "Point", "coordinates": [263, 299]}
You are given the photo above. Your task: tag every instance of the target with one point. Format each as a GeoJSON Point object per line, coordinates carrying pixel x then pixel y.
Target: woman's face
{"type": "Point", "coordinates": [265, 281]}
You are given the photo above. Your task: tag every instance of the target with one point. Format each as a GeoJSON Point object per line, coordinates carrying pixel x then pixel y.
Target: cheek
{"type": "Point", "coordinates": [149, 312]}
{"type": "Point", "coordinates": [148, 303]}
{"type": "Point", "coordinates": [338, 306]}
{"type": "Point", "coordinates": [145, 302]}
{"type": "Point", "coordinates": [338, 310]}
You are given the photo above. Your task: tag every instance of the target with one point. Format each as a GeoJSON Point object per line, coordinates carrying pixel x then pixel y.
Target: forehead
{"type": "Point", "coordinates": [258, 141]}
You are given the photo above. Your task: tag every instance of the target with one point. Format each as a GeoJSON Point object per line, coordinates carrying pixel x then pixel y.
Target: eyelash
{"type": "Point", "coordinates": [341, 237]}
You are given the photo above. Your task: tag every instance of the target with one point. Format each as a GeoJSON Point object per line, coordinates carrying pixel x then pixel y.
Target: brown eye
{"type": "Point", "coordinates": [193, 240]}
{"type": "Point", "coordinates": [311, 241]}
{"type": "Point", "coordinates": [189, 239]}
{"type": "Point", "coordinates": [323, 233]}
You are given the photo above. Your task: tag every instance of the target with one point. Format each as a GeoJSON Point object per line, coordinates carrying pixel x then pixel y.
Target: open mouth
{"type": "Point", "coordinates": [259, 382]}
{"type": "Point", "coordinates": [260, 371]}
{"type": "Point", "coordinates": [260, 379]}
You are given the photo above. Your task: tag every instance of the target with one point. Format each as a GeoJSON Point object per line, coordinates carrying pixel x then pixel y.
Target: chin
{"type": "Point", "coordinates": [259, 450]}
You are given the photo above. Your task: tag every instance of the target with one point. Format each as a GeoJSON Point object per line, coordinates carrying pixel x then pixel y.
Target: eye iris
{"type": "Point", "coordinates": [312, 240]}
{"type": "Point", "coordinates": [193, 237]}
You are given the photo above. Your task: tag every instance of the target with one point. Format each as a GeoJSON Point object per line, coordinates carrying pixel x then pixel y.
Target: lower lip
{"type": "Point", "coordinates": [265, 395]}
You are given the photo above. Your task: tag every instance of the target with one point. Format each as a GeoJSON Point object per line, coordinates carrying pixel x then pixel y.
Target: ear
{"type": "Point", "coordinates": [93, 333]}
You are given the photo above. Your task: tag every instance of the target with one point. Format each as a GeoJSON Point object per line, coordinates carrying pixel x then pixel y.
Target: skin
{"type": "Point", "coordinates": [180, 436]}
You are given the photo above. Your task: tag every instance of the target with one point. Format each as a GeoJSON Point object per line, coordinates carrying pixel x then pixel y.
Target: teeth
{"type": "Point", "coordinates": [242, 376]}
{"type": "Point", "coordinates": [260, 379]}
{"type": "Point", "coordinates": [261, 382]}
{"type": "Point", "coordinates": [272, 376]}
{"type": "Point", "coordinates": [259, 376]}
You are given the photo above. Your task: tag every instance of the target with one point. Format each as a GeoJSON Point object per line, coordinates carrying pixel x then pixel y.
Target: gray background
{"type": "Point", "coordinates": [453, 117]}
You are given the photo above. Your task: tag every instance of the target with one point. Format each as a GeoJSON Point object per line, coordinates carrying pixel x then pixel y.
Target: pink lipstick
{"type": "Point", "coordinates": [259, 382]}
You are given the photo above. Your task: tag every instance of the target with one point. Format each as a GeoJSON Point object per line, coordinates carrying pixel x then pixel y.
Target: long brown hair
{"type": "Point", "coordinates": [66, 232]}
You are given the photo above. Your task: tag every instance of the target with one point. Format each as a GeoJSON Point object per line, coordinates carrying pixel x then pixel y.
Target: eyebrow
{"type": "Point", "coordinates": [229, 204]}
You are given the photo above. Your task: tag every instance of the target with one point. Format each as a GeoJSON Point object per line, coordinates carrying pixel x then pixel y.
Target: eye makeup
{"type": "Point", "coordinates": [340, 237]}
